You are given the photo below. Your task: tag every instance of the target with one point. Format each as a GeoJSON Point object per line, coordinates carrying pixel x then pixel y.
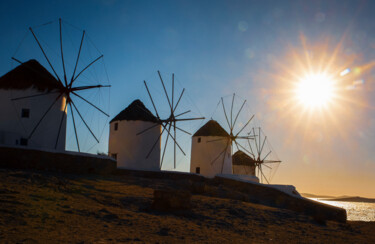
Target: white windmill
{"type": "Point", "coordinates": [212, 146]}
{"type": "Point", "coordinates": [129, 148]}
{"type": "Point", "coordinates": [37, 101]}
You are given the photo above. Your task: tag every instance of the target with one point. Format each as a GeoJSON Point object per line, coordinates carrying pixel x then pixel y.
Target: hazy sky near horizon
{"type": "Point", "coordinates": [256, 49]}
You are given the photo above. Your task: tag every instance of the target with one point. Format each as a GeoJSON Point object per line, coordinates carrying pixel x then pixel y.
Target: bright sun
{"type": "Point", "coordinates": [315, 90]}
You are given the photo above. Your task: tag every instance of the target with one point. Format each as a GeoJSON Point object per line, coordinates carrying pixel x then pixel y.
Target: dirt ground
{"type": "Point", "coordinates": [40, 207]}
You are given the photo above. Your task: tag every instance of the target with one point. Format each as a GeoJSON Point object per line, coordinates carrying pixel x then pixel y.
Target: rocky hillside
{"type": "Point", "coordinates": [41, 207]}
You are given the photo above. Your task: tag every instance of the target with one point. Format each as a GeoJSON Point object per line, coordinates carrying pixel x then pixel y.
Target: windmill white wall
{"type": "Point", "coordinates": [129, 149]}
{"type": "Point", "coordinates": [14, 128]}
{"type": "Point", "coordinates": [204, 151]}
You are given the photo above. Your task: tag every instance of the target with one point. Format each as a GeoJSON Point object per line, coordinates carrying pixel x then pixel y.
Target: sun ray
{"type": "Point", "coordinates": [328, 103]}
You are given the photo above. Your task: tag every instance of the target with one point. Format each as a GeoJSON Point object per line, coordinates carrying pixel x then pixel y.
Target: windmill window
{"type": "Point", "coordinates": [199, 139]}
{"type": "Point", "coordinates": [23, 141]}
{"type": "Point", "coordinates": [198, 170]}
{"type": "Point", "coordinates": [116, 126]}
{"type": "Point", "coordinates": [114, 155]}
{"type": "Point", "coordinates": [25, 113]}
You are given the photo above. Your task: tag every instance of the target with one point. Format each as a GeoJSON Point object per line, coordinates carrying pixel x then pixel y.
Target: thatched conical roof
{"type": "Point", "coordinates": [135, 111]}
{"type": "Point", "coordinates": [30, 74]}
{"type": "Point", "coordinates": [241, 158]}
{"type": "Point", "coordinates": [211, 128]}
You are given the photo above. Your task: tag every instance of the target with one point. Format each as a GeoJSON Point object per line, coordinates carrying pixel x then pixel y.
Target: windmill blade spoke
{"type": "Point", "coordinates": [182, 113]}
{"type": "Point", "coordinates": [157, 140]}
{"type": "Point", "coordinates": [71, 83]}
{"type": "Point", "coordinates": [263, 175]}
{"type": "Point", "coordinates": [79, 53]}
{"type": "Point", "coordinates": [239, 111]}
{"type": "Point", "coordinates": [266, 155]}
{"type": "Point", "coordinates": [190, 119]}
{"type": "Point", "coordinates": [45, 55]}
{"type": "Point", "coordinates": [266, 165]}
{"type": "Point", "coordinates": [256, 143]}
{"type": "Point", "coordinates": [231, 114]}
{"type": "Point", "coordinates": [92, 133]}
{"type": "Point", "coordinates": [44, 115]}
{"type": "Point", "coordinates": [149, 128]}
{"type": "Point", "coordinates": [74, 125]}
{"type": "Point", "coordinates": [172, 107]}
{"type": "Point", "coordinates": [252, 152]}
{"type": "Point", "coordinates": [152, 101]}
{"type": "Point", "coordinates": [18, 61]}
{"type": "Point", "coordinates": [245, 125]}
{"type": "Point", "coordinates": [91, 104]}
{"type": "Point", "coordinates": [175, 141]}
{"type": "Point", "coordinates": [260, 151]}
{"type": "Point", "coordinates": [222, 165]}
{"type": "Point", "coordinates": [82, 88]}
{"type": "Point", "coordinates": [182, 130]}
{"type": "Point", "coordinates": [236, 145]}
{"type": "Point", "coordinates": [272, 161]}
{"type": "Point", "coordinates": [245, 137]}
{"type": "Point", "coordinates": [264, 141]}
{"type": "Point", "coordinates": [219, 154]}
{"type": "Point", "coordinates": [179, 99]}
{"type": "Point", "coordinates": [62, 55]}
{"type": "Point", "coordinates": [61, 121]}
{"type": "Point", "coordinates": [36, 95]}
{"type": "Point", "coordinates": [165, 146]}
{"type": "Point", "coordinates": [225, 113]}
{"type": "Point", "coordinates": [165, 90]}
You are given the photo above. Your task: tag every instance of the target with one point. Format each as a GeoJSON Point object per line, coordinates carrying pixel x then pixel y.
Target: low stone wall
{"type": "Point", "coordinates": [166, 175]}
{"type": "Point", "coordinates": [78, 163]}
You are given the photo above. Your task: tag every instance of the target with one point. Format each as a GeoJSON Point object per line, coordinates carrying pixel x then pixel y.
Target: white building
{"type": "Point", "coordinates": [19, 118]}
{"type": "Point", "coordinates": [129, 149]}
{"type": "Point", "coordinates": [211, 151]}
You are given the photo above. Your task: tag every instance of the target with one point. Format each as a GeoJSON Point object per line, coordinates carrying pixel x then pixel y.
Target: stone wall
{"type": "Point", "coordinates": [69, 162]}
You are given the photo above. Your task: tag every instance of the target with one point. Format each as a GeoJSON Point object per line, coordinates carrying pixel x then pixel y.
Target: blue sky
{"type": "Point", "coordinates": [216, 48]}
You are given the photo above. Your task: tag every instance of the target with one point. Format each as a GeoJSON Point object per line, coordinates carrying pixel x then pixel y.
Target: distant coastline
{"type": "Point", "coordinates": [351, 199]}
{"type": "Point", "coordinates": [339, 199]}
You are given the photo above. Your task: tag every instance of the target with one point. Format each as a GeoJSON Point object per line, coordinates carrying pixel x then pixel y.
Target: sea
{"type": "Point", "coordinates": [356, 211]}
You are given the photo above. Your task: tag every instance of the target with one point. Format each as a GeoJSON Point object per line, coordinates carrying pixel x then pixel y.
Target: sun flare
{"type": "Point", "coordinates": [315, 90]}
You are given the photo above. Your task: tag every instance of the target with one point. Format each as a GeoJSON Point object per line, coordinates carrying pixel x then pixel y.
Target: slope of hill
{"type": "Point", "coordinates": [41, 207]}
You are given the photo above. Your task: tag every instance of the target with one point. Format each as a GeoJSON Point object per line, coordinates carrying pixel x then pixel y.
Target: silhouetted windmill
{"type": "Point", "coordinates": [67, 87]}
{"type": "Point", "coordinates": [170, 122]}
{"type": "Point", "coordinates": [262, 153]}
{"type": "Point", "coordinates": [233, 136]}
